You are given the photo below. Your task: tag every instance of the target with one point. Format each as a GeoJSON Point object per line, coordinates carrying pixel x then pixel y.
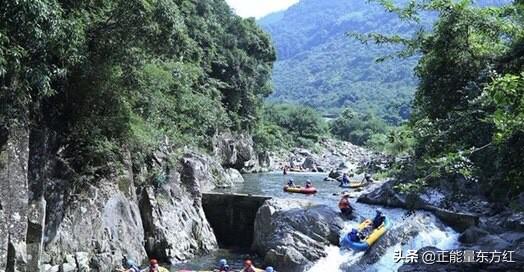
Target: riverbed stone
{"type": "Point", "coordinates": [292, 234]}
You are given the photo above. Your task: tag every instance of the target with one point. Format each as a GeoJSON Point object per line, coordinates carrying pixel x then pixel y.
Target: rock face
{"type": "Point", "coordinates": [14, 203]}
{"type": "Point", "coordinates": [52, 219]}
{"type": "Point", "coordinates": [291, 235]}
{"type": "Point", "coordinates": [174, 222]}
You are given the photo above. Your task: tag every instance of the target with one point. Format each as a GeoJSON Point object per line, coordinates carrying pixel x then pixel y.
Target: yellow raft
{"type": "Point", "coordinates": [370, 239]}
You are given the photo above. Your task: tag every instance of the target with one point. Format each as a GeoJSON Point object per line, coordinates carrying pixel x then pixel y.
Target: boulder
{"type": "Point", "coordinates": [175, 226]}
{"type": "Point", "coordinates": [472, 234]}
{"type": "Point", "coordinates": [234, 150]}
{"type": "Point", "coordinates": [291, 234]}
{"type": "Point", "coordinates": [234, 175]}
{"type": "Point", "coordinates": [310, 163]}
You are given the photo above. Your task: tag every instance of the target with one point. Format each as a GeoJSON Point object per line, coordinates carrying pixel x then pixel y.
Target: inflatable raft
{"type": "Point", "coordinates": [300, 190]}
{"type": "Point", "coordinates": [364, 244]}
{"type": "Point", "coordinates": [354, 184]}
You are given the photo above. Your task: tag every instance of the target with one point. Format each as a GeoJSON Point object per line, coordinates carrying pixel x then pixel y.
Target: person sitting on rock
{"type": "Point", "coordinates": [379, 219]}
{"type": "Point", "coordinates": [129, 266]}
{"type": "Point", "coordinates": [248, 266]}
{"type": "Point", "coordinates": [154, 267]}
{"type": "Point", "coordinates": [344, 205]}
{"type": "Point", "coordinates": [290, 183]}
{"type": "Point", "coordinates": [222, 266]}
{"type": "Point", "coordinates": [309, 184]}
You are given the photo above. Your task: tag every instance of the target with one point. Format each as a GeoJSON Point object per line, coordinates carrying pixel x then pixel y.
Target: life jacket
{"type": "Point", "coordinates": [344, 203]}
{"type": "Point", "coordinates": [354, 237]}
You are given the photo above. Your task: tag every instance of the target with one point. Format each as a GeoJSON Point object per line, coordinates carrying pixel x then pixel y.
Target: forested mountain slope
{"type": "Point", "coordinates": [319, 65]}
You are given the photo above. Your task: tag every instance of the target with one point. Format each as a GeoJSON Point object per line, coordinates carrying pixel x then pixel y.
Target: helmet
{"type": "Point", "coordinates": [353, 230]}
{"type": "Point", "coordinates": [222, 262]}
{"type": "Point", "coordinates": [269, 269]}
{"type": "Point", "coordinates": [153, 262]}
{"type": "Point", "coordinates": [367, 175]}
{"type": "Point", "coordinates": [130, 263]}
{"type": "Point", "coordinates": [248, 263]}
{"type": "Point", "coordinates": [290, 180]}
{"type": "Point", "coordinates": [379, 212]}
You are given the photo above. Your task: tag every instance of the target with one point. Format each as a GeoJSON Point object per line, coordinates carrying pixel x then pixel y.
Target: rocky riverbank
{"type": "Point", "coordinates": [52, 219]}
{"type": "Point", "coordinates": [328, 155]}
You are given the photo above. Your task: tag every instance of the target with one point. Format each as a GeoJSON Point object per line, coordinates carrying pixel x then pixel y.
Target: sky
{"type": "Point", "coordinates": [259, 8]}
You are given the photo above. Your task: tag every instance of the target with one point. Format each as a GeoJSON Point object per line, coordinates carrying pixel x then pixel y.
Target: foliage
{"type": "Point", "coordinates": [103, 76]}
{"type": "Point", "coordinates": [286, 125]}
{"type": "Point", "coordinates": [467, 120]}
{"type": "Point", "coordinates": [317, 65]}
{"type": "Point", "coordinates": [357, 128]}
{"type": "Point", "coordinates": [507, 94]}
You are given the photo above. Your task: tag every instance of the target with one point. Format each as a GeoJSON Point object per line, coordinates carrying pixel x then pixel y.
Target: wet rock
{"type": "Point", "coordinates": [174, 222]}
{"type": "Point", "coordinates": [291, 235]}
{"type": "Point", "coordinates": [472, 234]}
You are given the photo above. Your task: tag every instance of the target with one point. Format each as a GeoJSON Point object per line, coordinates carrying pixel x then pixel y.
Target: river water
{"type": "Point", "coordinates": [429, 230]}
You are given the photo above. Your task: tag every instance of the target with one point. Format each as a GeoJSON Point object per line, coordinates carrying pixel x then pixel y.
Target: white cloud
{"type": "Point", "coordinates": [259, 8]}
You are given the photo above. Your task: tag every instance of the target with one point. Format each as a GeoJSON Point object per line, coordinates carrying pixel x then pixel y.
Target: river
{"type": "Point", "coordinates": [430, 231]}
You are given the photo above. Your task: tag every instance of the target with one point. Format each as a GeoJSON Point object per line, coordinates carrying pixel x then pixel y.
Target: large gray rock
{"type": "Point", "coordinates": [207, 173]}
{"type": "Point", "coordinates": [14, 203]}
{"type": "Point", "coordinates": [102, 221]}
{"type": "Point", "coordinates": [235, 150]}
{"type": "Point", "coordinates": [174, 222]}
{"type": "Point", "coordinates": [292, 234]}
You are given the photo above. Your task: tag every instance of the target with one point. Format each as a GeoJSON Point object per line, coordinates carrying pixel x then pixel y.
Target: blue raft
{"type": "Point", "coordinates": [364, 244]}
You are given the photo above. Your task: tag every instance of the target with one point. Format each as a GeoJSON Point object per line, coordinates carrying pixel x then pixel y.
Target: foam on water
{"type": "Point", "coordinates": [335, 259]}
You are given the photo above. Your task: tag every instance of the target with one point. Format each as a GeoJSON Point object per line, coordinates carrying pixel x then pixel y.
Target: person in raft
{"type": "Point", "coordinates": [248, 266]}
{"type": "Point", "coordinates": [222, 266]}
{"type": "Point", "coordinates": [309, 184]}
{"type": "Point", "coordinates": [344, 205]}
{"type": "Point", "coordinates": [129, 266]}
{"type": "Point", "coordinates": [291, 183]}
{"type": "Point", "coordinates": [379, 219]}
{"type": "Point", "coordinates": [345, 179]}
{"type": "Point", "coordinates": [154, 267]}
{"type": "Point", "coordinates": [355, 236]}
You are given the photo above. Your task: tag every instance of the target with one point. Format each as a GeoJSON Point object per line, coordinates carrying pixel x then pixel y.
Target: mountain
{"type": "Point", "coordinates": [319, 65]}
